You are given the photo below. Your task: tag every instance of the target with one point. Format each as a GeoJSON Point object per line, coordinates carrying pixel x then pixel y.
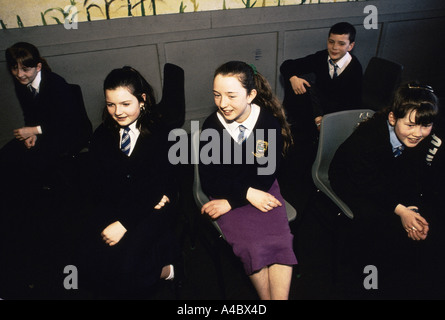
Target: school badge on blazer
{"type": "Point", "coordinates": [260, 148]}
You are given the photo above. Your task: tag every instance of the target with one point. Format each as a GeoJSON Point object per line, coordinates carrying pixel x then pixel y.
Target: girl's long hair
{"type": "Point", "coordinates": [251, 79]}
{"type": "Point", "coordinates": [135, 83]}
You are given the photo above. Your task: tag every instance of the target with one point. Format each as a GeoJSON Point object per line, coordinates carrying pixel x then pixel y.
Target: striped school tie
{"type": "Point", "coordinates": [335, 68]}
{"type": "Point", "coordinates": [398, 151]}
{"type": "Point", "coordinates": [242, 130]}
{"type": "Point", "coordinates": [125, 144]}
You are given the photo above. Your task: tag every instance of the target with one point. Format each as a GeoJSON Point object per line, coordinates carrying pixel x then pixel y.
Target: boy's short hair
{"type": "Point", "coordinates": [414, 96]}
{"type": "Point", "coordinates": [344, 28]}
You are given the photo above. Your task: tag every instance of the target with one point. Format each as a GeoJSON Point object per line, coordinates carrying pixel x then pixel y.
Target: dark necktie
{"type": "Point", "coordinates": [398, 151]}
{"type": "Point", "coordinates": [32, 90]}
{"type": "Point", "coordinates": [335, 68]}
{"type": "Point", "coordinates": [125, 144]}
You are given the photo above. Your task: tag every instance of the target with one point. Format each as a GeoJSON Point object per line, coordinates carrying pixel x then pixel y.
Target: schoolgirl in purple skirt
{"type": "Point", "coordinates": [241, 177]}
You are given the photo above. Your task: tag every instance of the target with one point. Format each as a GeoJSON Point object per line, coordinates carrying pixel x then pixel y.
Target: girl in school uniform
{"type": "Point", "coordinates": [54, 124]}
{"type": "Point", "coordinates": [132, 183]}
{"type": "Point", "coordinates": [388, 172]}
{"type": "Point", "coordinates": [245, 201]}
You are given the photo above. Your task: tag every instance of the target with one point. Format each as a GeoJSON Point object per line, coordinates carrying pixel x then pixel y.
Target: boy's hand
{"type": "Point", "coordinates": [298, 85]}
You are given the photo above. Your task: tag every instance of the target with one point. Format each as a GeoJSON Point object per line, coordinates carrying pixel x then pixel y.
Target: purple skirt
{"type": "Point", "coordinates": [259, 239]}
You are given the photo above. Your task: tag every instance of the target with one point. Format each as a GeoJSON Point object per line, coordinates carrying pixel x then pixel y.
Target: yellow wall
{"type": "Point", "coordinates": [27, 13]}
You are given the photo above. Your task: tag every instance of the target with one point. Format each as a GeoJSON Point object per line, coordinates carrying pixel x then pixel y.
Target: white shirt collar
{"type": "Point", "coordinates": [249, 123]}
{"type": "Point", "coordinates": [395, 142]}
{"type": "Point", "coordinates": [341, 64]}
{"type": "Point", "coordinates": [36, 82]}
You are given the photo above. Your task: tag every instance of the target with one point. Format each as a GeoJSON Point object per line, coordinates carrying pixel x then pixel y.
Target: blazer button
{"type": "Point", "coordinates": [128, 176]}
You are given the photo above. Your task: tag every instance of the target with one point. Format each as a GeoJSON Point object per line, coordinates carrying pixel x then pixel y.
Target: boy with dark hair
{"type": "Point", "coordinates": [333, 76]}
{"type": "Point", "coordinates": [327, 81]}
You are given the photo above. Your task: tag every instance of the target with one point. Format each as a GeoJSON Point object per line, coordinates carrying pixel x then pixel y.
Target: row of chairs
{"type": "Point", "coordinates": [335, 129]}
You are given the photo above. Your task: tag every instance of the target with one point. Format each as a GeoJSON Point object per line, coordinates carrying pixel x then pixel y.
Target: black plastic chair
{"type": "Point", "coordinates": [381, 79]}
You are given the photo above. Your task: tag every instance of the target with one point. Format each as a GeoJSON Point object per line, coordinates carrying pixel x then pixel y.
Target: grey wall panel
{"type": "Point", "coordinates": [418, 45]}
{"type": "Point", "coordinates": [77, 68]}
{"type": "Point", "coordinates": [300, 43]}
{"type": "Point", "coordinates": [200, 58]}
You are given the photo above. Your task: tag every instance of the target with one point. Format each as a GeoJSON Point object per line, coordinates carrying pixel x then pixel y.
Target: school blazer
{"type": "Point", "coordinates": [341, 93]}
{"type": "Point", "coordinates": [56, 111]}
{"type": "Point", "coordinates": [127, 189]}
{"type": "Point", "coordinates": [231, 181]}
{"type": "Point", "coordinates": [364, 172]}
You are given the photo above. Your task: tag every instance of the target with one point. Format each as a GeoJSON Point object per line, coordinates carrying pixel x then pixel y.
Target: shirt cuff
{"type": "Point", "coordinates": [39, 129]}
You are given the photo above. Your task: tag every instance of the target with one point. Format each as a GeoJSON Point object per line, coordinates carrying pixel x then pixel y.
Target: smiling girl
{"type": "Point", "coordinates": [248, 206]}
{"type": "Point", "coordinates": [383, 171]}
{"type": "Point", "coordinates": [132, 188]}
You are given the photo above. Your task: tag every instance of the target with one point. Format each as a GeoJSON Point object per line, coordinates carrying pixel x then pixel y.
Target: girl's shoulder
{"type": "Point", "coordinates": [266, 120]}
{"type": "Point", "coordinates": [212, 121]}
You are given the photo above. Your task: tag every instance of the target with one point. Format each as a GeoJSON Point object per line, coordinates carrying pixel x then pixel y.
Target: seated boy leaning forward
{"type": "Point", "coordinates": [329, 80]}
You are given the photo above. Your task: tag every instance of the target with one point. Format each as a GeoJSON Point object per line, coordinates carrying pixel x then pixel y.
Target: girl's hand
{"type": "Point", "coordinates": [261, 200]}
{"type": "Point", "coordinates": [25, 132]}
{"type": "Point", "coordinates": [415, 225]}
{"type": "Point", "coordinates": [30, 142]}
{"type": "Point", "coordinates": [162, 203]}
{"type": "Point", "coordinates": [216, 208]}
{"type": "Point", "coordinates": [113, 233]}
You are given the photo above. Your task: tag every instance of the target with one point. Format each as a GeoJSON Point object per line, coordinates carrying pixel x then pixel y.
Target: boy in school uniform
{"type": "Point", "coordinates": [327, 81]}
{"type": "Point", "coordinates": [332, 77]}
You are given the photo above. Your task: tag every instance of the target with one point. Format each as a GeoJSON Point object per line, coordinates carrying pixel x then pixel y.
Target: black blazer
{"type": "Point", "coordinates": [341, 93]}
{"type": "Point", "coordinates": [127, 189]}
{"type": "Point", "coordinates": [56, 109]}
{"type": "Point", "coordinates": [365, 174]}
{"type": "Point", "coordinates": [231, 181]}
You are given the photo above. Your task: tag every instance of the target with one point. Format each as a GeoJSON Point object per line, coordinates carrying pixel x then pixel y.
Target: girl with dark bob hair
{"type": "Point", "coordinates": [132, 246]}
{"type": "Point", "coordinates": [389, 171]}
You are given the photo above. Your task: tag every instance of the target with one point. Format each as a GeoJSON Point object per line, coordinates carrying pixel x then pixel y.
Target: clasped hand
{"type": "Point", "coordinates": [261, 200]}
{"type": "Point", "coordinates": [114, 232]}
{"type": "Point", "coordinates": [415, 225]}
{"type": "Point", "coordinates": [25, 133]}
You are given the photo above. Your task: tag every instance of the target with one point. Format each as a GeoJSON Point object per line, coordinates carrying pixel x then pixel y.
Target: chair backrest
{"type": "Point", "coordinates": [85, 128]}
{"type": "Point", "coordinates": [335, 129]}
{"type": "Point", "coordinates": [380, 80]}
